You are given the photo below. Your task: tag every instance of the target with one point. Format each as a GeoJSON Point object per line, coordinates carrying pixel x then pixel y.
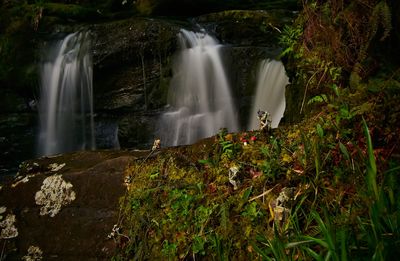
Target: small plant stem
{"type": "Point", "coordinates": [263, 194]}
{"type": "Point", "coordinates": [3, 250]}
{"type": "Point", "coordinates": [305, 92]}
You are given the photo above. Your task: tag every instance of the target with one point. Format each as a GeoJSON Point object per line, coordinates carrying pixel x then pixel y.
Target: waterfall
{"type": "Point", "coordinates": [270, 94]}
{"type": "Point", "coordinates": [199, 94]}
{"type": "Point", "coordinates": [66, 97]}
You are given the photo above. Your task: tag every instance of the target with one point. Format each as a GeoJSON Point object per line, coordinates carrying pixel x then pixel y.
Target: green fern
{"type": "Point", "coordinates": [318, 99]}
{"type": "Point", "coordinates": [385, 18]}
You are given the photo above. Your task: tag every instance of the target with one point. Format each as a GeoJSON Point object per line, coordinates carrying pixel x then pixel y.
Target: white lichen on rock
{"type": "Point", "coordinates": [21, 179]}
{"type": "Point", "coordinates": [8, 230]}
{"type": "Point", "coordinates": [54, 193]}
{"type": "Point", "coordinates": [34, 254]}
{"type": "Point", "coordinates": [56, 167]}
{"type": "Point", "coordinates": [233, 171]}
{"type": "Point", "coordinates": [281, 205]}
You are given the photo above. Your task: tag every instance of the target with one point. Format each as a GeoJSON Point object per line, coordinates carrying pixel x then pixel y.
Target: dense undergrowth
{"type": "Point", "coordinates": [325, 188]}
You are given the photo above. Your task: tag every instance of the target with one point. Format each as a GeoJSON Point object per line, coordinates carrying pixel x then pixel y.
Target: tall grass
{"type": "Point", "coordinates": [374, 236]}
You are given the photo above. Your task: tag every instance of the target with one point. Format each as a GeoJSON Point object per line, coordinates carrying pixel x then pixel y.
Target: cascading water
{"type": "Point", "coordinates": [270, 94]}
{"type": "Point", "coordinates": [199, 93]}
{"type": "Point", "coordinates": [66, 98]}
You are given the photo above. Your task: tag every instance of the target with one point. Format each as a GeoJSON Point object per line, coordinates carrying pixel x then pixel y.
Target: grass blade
{"type": "Point", "coordinates": [371, 164]}
{"type": "Point", "coordinates": [314, 254]}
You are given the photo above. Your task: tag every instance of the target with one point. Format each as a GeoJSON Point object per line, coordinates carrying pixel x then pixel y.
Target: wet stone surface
{"type": "Point", "coordinates": [64, 212]}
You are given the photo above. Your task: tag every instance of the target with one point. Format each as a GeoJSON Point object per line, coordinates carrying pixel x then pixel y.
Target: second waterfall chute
{"type": "Point", "coordinates": [270, 93]}
{"type": "Point", "coordinates": [199, 95]}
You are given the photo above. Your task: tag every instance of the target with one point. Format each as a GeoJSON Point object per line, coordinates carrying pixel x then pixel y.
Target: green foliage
{"type": "Point", "coordinates": [318, 99]}
{"type": "Point", "coordinates": [371, 165]}
{"type": "Point", "coordinates": [332, 239]}
{"type": "Point", "coordinates": [69, 11]}
{"type": "Point", "coordinates": [289, 39]}
{"type": "Point", "coordinates": [331, 44]}
{"type": "Point", "coordinates": [198, 245]}
{"type": "Point", "coordinates": [169, 249]}
{"type": "Point", "coordinates": [228, 147]}
{"type": "Point", "coordinates": [320, 131]}
{"type": "Point", "coordinates": [252, 212]}
{"type": "Point", "coordinates": [271, 166]}
{"type": "Point", "coordinates": [194, 211]}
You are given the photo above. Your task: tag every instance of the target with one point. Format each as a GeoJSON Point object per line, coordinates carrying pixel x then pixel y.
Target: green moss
{"type": "Point", "coordinates": [69, 11]}
{"type": "Point", "coordinates": [190, 8]}
{"type": "Point", "coordinates": [145, 7]}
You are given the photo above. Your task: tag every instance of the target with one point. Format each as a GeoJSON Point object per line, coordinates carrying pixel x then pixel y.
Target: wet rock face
{"type": "Point", "coordinates": [124, 88]}
{"type": "Point", "coordinates": [131, 58]}
{"type": "Point", "coordinates": [131, 76]}
{"type": "Point", "coordinates": [125, 41]}
{"type": "Point", "coordinates": [177, 7]}
{"type": "Point", "coordinates": [17, 140]}
{"type": "Point", "coordinates": [191, 8]}
{"type": "Point", "coordinates": [63, 213]}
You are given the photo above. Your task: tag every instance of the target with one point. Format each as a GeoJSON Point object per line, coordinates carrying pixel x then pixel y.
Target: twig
{"type": "Point", "coordinates": [3, 250]}
{"type": "Point", "coordinates": [263, 194]}
{"type": "Point", "coordinates": [288, 150]}
{"type": "Point", "coordinates": [305, 91]}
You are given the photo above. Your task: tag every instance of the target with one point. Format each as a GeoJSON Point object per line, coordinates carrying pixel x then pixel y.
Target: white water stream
{"type": "Point", "coordinates": [199, 95]}
{"type": "Point", "coordinates": [66, 97]}
{"type": "Point", "coordinates": [270, 93]}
